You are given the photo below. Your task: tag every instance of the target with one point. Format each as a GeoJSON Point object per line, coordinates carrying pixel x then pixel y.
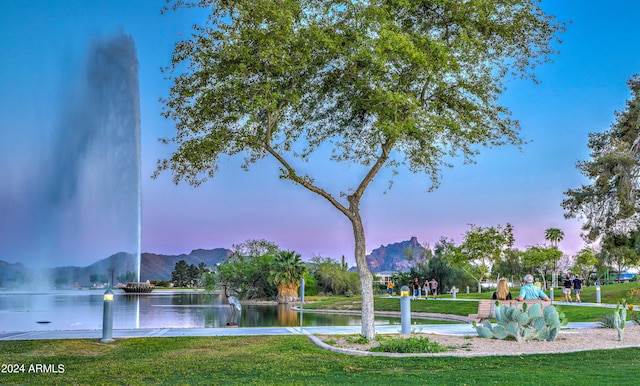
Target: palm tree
{"type": "Point", "coordinates": [554, 236]}
{"type": "Point", "coordinates": [287, 271]}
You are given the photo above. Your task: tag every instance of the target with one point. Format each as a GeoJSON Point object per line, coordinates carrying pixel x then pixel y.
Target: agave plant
{"type": "Point", "coordinates": [530, 323]}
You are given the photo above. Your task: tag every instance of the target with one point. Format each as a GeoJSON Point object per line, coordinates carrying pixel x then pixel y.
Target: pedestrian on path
{"type": "Point", "coordinates": [416, 288]}
{"type": "Point", "coordinates": [434, 287]}
{"type": "Point", "coordinates": [566, 290]}
{"type": "Point", "coordinates": [577, 288]}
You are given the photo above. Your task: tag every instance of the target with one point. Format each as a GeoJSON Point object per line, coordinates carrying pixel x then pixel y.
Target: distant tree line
{"type": "Point", "coordinates": [259, 269]}
{"type": "Point", "coordinates": [185, 275]}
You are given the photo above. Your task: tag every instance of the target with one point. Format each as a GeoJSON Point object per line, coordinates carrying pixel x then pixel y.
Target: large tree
{"type": "Point", "coordinates": [609, 205]}
{"type": "Point", "coordinates": [386, 84]}
{"type": "Point", "coordinates": [542, 260]}
{"type": "Point", "coordinates": [287, 270]}
{"type": "Point", "coordinates": [482, 248]}
{"type": "Point", "coordinates": [620, 251]}
{"type": "Point", "coordinates": [554, 236]}
{"type": "Point", "coordinates": [585, 263]}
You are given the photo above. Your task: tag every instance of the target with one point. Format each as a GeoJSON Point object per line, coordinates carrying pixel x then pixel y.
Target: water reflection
{"type": "Point", "coordinates": [82, 310]}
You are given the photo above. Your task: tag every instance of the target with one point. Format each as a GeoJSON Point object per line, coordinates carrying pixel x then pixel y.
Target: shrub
{"type": "Point", "coordinates": [607, 321]}
{"type": "Point", "coordinates": [357, 339]}
{"type": "Point", "coordinates": [409, 345]}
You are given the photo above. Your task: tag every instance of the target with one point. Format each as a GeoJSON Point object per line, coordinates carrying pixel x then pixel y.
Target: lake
{"type": "Point", "coordinates": [83, 309]}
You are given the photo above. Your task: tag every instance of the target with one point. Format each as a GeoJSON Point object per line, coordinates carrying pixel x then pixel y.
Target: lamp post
{"type": "Point", "coordinates": [107, 317]}
{"type": "Point", "coordinates": [301, 300]}
{"type": "Point", "coordinates": [405, 309]}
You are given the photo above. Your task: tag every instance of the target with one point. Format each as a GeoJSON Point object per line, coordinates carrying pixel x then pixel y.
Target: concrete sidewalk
{"type": "Point", "coordinates": [441, 329]}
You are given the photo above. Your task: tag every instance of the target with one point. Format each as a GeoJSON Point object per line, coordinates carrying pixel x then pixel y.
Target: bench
{"type": "Point", "coordinates": [487, 307]}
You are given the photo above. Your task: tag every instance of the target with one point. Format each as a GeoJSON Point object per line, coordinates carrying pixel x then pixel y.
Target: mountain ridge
{"type": "Point", "coordinates": [152, 267]}
{"type": "Point", "coordinates": [391, 257]}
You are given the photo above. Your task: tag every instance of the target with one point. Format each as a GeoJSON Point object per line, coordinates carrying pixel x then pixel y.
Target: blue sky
{"type": "Point", "coordinates": [43, 43]}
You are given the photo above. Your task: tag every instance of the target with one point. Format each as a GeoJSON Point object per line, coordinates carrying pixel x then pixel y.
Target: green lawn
{"type": "Point", "coordinates": [462, 305]}
{"type": "Point", "coordinates": [278, 360]}
{"type": "Point", "coordinates": [271, 360]}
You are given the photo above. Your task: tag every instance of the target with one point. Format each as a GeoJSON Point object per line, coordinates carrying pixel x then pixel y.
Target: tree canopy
{"type": "Point", "coordinates": [610, 203]}
{"type": "Point", "coordinates": [287, 270]}
{"type": "Point", "coordinates": [384, 83]}
{"type": "Point", "coordinates": [482, 248]}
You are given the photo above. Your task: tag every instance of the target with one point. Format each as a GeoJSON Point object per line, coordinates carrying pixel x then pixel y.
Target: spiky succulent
{"type": "Point", "coordinates": [528, 323]}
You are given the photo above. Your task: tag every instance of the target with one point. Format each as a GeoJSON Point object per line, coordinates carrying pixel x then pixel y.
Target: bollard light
{"type": "Point", "coordinates": [405, 309]}
{"type": "Point", "coordinates": [598, 300]}
{"type": "Point", "coordinates": [301, 300]}
{"type": "Point", "coordinates": [404, 291]}
{"type": "Point", "coordinates": [107, 317]}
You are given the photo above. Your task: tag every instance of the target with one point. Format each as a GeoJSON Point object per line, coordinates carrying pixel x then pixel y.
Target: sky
{"type": "Point", "coordinates": [44, 44]}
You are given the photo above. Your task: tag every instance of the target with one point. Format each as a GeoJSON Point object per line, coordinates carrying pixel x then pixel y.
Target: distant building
{"type": "Point", "coordinates": [383, 277]}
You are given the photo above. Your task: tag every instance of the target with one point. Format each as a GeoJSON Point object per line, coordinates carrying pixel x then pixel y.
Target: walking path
{"type": "Point", "coordinates": [444, 329]}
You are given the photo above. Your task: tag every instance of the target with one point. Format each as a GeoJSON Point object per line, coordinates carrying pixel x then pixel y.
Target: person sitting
{"type": "Point", "coordinates": [502, 292]}
{"type": "Point", "coordinates": [530, 292]}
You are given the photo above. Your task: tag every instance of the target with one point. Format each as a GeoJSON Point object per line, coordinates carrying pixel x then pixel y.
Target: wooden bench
{"type": "Point", "coordinates": [487, 307]}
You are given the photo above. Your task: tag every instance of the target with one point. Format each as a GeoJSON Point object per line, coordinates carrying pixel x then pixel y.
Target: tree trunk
{"type": "Point", "coordinates": [287, 293]}
{"type": "Point", "coordinates": [366, 279]}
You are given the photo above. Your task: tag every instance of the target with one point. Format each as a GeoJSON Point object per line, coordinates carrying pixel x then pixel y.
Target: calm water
{"type": "Point", "coordinates": [82, 310]}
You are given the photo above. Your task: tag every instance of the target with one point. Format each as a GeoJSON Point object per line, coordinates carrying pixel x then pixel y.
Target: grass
{"type": "Point", "coordinates": [288, 360]}
{"type": "Point", "coordinates": [455, 307]}
{"type": "Point", "coordinates": [293, 360]}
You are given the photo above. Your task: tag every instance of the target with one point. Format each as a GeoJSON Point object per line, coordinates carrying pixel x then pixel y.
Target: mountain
{"type": "Point", "coordinates": [152, 267]}
{"type": "Point", "coordinates": [159, 267]}
{"type": "Point", "coordinates": [8, 271]}
{"type": "Point", "coordinates": [393, 257]}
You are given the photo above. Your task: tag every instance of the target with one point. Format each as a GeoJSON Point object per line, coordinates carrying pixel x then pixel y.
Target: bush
{"type": "Point", "coordinates": [409, 345]}
{"type": "Point", "coordinates": [607, 321]}
{"type": "Point", "coordinates": [357, 339]}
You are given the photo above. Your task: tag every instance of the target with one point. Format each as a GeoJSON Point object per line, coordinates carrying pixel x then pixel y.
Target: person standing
{"type": "Point", "coordinates": [390, 287]}
{"type": "Point", "coordinates": [566, 290]}
{"type": "Point", "coordinates": [416, 288]}
{"type": "Point", "coordinates": [537, 283]}
{"type": "Point", "coordinates": [530, 292]}
{"type": "Point", "coordinates": [425, 288]}
{"type": "Point", "coordinates": [577, 288]}
{"type": "Point", "coordinates": [434, 287]}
